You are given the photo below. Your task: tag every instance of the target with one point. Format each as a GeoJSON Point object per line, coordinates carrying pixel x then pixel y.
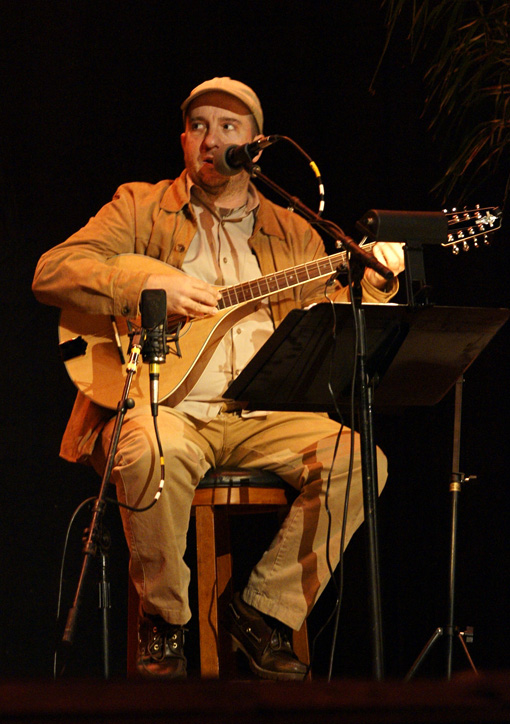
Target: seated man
{"type": "Point", "coordinates": [219, 230]}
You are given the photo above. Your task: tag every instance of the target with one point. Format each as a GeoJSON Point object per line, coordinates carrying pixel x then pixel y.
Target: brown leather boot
{"type": "Point", "coordinates": [264, 641]}
{"type": "Point", "coordinates": [160, 648]}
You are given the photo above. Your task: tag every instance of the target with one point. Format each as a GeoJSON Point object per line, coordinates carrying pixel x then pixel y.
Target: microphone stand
{"type": "Point", "coordinates": [94, 540]}
{"type": "Point", "coordinates": [368, 456]}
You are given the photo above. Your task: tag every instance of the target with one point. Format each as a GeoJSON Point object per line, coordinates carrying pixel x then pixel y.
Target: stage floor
{"type": "Point", "coordinates": [467, 698]}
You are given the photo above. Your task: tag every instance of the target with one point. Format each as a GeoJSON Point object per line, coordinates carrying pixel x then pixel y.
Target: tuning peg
{"type": "Point", "coordinates": [455, 249]}
{"type": "Point", "coordinates": [465, 246]}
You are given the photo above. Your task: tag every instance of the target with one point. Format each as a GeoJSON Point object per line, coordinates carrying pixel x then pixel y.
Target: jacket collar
{"type": "Point", "coordinates": [177, 197]}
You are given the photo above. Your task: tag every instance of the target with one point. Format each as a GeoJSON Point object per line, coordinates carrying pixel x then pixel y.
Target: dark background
{"type": "Point", "coordinates": [90, 96]}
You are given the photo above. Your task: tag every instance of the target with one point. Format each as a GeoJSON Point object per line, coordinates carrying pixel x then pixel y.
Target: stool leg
{"type": "Point", "coordinates": [224, 587]}
{"type": "Point", "coordinates": [214, 570]}
{"type": "Point", "coordinates": [207, 599]}
{"type": "Point", "coordinates": [300, 643]}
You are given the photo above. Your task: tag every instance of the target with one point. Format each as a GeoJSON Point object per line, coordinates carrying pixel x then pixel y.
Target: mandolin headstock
{"type": "Point", "coordinates": [471, 227]}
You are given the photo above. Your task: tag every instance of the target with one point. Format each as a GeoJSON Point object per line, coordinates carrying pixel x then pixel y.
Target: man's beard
{"type": "Point", "coordinates": [214, 184]}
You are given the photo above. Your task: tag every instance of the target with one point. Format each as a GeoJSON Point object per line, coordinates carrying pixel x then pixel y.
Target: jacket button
{"type": "Point", "coordinates": [179, 247]}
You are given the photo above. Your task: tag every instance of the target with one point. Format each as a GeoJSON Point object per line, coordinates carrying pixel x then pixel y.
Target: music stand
{"type": "Point", "coordinates": [414, 356]}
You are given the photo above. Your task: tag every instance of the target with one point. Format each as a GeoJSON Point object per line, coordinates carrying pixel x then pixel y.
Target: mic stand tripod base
{"type": "Point", "coordinates": [430, 643]}
{"type": "Point", "coordinates": [450, 630]}
{"type": "Point", "coordinates": [463, 636]}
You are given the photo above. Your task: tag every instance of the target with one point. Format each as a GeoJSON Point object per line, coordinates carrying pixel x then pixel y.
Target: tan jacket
{"type": "Point", "coordinates": [156, 220]}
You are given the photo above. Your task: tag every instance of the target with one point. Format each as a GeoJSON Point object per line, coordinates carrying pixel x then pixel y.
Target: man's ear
{"type": "Point", "coordinates": [183, 136]}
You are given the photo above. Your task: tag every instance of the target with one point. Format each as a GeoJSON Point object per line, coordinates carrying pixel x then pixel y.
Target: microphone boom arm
{"type": "Point", "coordinates": [329, 227]}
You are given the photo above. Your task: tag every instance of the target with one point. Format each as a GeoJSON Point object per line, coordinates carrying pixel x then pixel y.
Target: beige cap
{"type": "Point", "coordinates": [234, 88]}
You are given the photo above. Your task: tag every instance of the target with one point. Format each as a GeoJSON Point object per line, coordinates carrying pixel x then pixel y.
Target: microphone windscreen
{"type": "Point", "coordinates": [153, 308]}
{"type": "Point", "coordinates": [222, 165]}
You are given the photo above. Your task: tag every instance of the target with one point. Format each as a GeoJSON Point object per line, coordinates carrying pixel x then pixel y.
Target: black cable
{"type": "Point", "coordinates": [161, 482]}
{"type": "Point", "coordinates": [339, 585]}
{"type": "Point", "coordinates": [349, 479]}
{"type": "Point", "coordinates": [61, 577]}
{"type": "Point", "coordinates": [314, 168]}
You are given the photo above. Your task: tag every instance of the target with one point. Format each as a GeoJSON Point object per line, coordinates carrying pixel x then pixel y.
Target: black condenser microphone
{"type": "Point", "coordinates": [154, 324]}
{"type": "Point", "coordinates": [232, 159]}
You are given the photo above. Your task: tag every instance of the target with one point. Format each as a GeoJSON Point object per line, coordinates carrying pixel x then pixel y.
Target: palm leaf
{"type": "Point", "coordinates": [468, 81]}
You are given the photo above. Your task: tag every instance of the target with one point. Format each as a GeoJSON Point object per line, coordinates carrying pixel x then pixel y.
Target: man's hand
{"type": "Point", "coordinates": [186, 295]}
{"type": "Point", "coordinates": [389, 254]}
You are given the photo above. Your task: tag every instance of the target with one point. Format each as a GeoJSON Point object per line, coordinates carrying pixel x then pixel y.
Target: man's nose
{"type": "Point", "coordinates": [211, 138]}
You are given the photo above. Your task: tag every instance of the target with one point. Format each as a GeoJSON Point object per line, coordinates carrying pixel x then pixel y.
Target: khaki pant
{"type": "Point", "coordinates": [297, 446]}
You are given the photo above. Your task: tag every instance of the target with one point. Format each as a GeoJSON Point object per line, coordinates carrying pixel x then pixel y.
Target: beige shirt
{"type": "Point", "coordinates": [220, 254]}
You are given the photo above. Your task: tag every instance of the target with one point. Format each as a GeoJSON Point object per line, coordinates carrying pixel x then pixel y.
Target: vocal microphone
{"type": "Point", "coordinates": [232, 159]}
{"type": "Point", "coordinates": [154, 324]}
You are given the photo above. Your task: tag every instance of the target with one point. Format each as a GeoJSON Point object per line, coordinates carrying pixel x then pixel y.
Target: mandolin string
{"type": "Point", "coordinates": [273, 283]}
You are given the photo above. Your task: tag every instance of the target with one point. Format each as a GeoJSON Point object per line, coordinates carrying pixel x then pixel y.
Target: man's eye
{"type": "Point", "coordinates": [196, 125]}
{"type": "Point", "coordinates": [228, 127]}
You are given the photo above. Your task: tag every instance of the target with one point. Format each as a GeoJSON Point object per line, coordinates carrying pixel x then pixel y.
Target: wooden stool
{"type": "Point", "coordinates": [221, 493]}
